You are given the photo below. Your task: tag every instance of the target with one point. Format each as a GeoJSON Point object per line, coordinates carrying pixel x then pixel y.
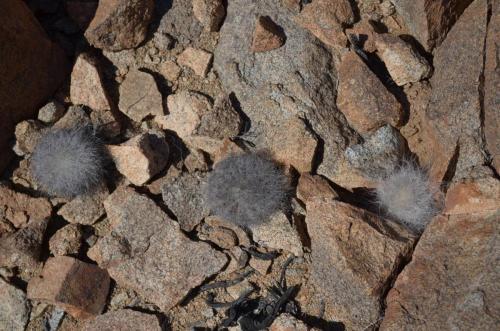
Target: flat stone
{"type": "Point", "coordinates": [67, 240]}
{"type": "Point", "coordinates": [123, 320]}
{"type": "Point", "coordinates": [139, 96]}
{"type": "Point", "coordinates": [278, 233]}
{"type": "Point", "coordinates": [119, 25]}
{"type": "Point", "coordinates": [314, 186]}
{"type": "Point", "coordinates": [14, 307]}
{"type": "Point", "coordinates": [267, 35]}
{"type": "Point", "coordinates": [79, 288]}
{"type": "Point", "coordinates": [223, 121]}
{"type": "Point", "coordinates": [86, 84]}
{"type": "Point", "coordinates": [28, 133]}
{"type": "Point", "coordinates": [51, 112]}
{"type": "Point", "coordinates": [404, 63]}
{"type": "Point", "coordinates": [85, 209]}
{"type": "Point", "coordinates": [185, 111]}
{"type": "Point", "coordinates": [286, 322]}
{"type": "Point", "coordinates": [20, 208]}
{"type": "Point", "coordinates": [452, 279]}
{"type": "Point", "coordinates": [454, 110]}
{"type": "Point", "coordinates": [151, 255]}
{"type": "Point", "coordinates": [429, 21]}
{"type": "Point", "coordinates": [210, 13]}
{"type": "Point", "coordinates": [354, 256]}
{"type": "Point", "coordinates": [196, 59]}
{"type": "Point", "coordinates": [362, 97]}
{"type": "Point", "coordinates": [184, 197]}
{"type": "Point", "coordinates": [379, 155]}
{"type": "Point", "coordinates": [481, 195]}
{"type": "Point", "coordinates": [140, 158]}
{"type": "Point", "coordinates": [325, 20]}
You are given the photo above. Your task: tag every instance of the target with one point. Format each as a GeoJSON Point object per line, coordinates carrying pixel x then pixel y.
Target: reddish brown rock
{"type": "Point", "coordinates": [452, 279]}
{"type": "Point", "coordinates": [428, 20]}
{"type": "Point", "coordinates": [81, 12]}
{"type": "Point", "coordinates": [492, 86]}
{"type": "Point", "coordinates": [454, 110]}
{"type": "Point", "coordinates": [151, 255]}
{"type": "Point", "coordinates": [79, 288]}
{"type": "Point", "coordinates": [20, 208]}
{"type": "Point", "coordinates": [362, 97]}
{"type": "Point", "coordinates": [314, 186]}
{"type": "Point", "coordinates": [267, 35]}
{"type": "Point", "coordinates": [123, 320]}
{"type": "Point", "coordinates": [31, 67]}
{"type": "Point", "coordinates": [481, 195]}
{"type": "Point", "coordinates": [354, 256]}
{"type": "Point", "coordinates": [210, 13]}
{"type": "Point", "coordinates": [325, 19]}
{"type": "Point", "coordinates": [196, 59]}
{"type": "Point", "coordinates": [86, 85]}
{"type": "Point", "coordinates": [119, 25]}
{"type": "Point", "coordinates": [365, 34]}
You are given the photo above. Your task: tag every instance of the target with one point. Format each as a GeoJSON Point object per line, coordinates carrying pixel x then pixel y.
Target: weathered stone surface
{"type": "Point", "coordinates": [222, 121]}
{"type": "Point", "coordinates": [141, 157]}
{"type": "Point", "coordinates": [354, 255]}
{"type": "Point", "coordinates": [261, 266]}
{"type": "Point", "coordinates": [139, 96]}
{"type": "Point", "coordinates": [209, 13]}
{"type": "Point", "coordinates": [119, 25]}
{"type": "Point", "coordinates": [223, 237]}
{"type": "Point", "coordinates": [150, 254]}
{"type": "Point", "coordinates": [314, 186]}
{"type": "Point", "coordinates": [286, 322]}
{"type": "Point", "coordinates": [491, 102]}
{"type": "Point", "coordinates": [85, 209]}
{"type": "Point", "coordinates": [106, 124]}
{"type": "Point", "coordinates": [170, 70]}
{"type": "Point", "coordinates": [379, 155]}
{"type": "Point", "coordinates": [28, 133]}
{"type": "Point", "coordinates": [454, 111]}
{"type": "Point", "coordinates": [243, 239]}
{"type": "Point", "coordinates": [23, 248]}
{"type": "Point", "coordinates": [196, 161]}
{"type": "Point", "coordinates": [404, 63]}
{"type": "Point", "coordinates": [81, 12]}
{"type": "Point", "coordinates": [429, 21]}
{"type": "Point", "coordinates": [267, 35]}
{"type": "Point", "coordinates": [325, 20]}
{"type": "Point", "coordinates": [66, 241]}
{"type": "Point", "coordinates": [14, 308]}
{"type": "Point", "coordinates": [76, 116]}
{"type": "Point", "coordinates": [351, 178]}
{"type": "Point", "coordinates": [51, 112]}
{"type": "Point", "coordinates": [197, 59]}
{"type": "Point", "coordinates": [452, 280]}
{"type": "Point", "coordinates": [185, 111]}
{"type": "Point", "coordinates": [226, 148]}
{"type": "Point", "coordinates": [20, 208]}
{"type": "Point", "coordinates": [365, 34]}
{"type": "Point", "coordinates": [184, 197]}
{"type": "Point", "coordinates": [295, 80]}
{"type": "Point", "coordinates": [79, 288]}
{"type": "Point", "coordinates": [31, 67]}
{"type": "Point", "coordinates": [362, 97]}
{"type": "Point", "coordinates": [278, 233]}
{"type": "Point", "coordinates": [481, 195]}
{"type": "Point", "coordinates": [86, 84]}
{"type": "Point", "coordinates": [123, 320]}
{"type": "Point", "coordinates": [180, 21]}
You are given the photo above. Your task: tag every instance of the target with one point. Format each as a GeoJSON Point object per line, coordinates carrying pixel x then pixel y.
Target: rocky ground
{"type": "Point", "coordinates": [337, 91]}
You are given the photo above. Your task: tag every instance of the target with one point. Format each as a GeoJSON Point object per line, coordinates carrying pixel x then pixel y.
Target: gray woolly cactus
{"type": "Point", "coordinates": [246, 189]}
{"type": "Point", "coordinates": [68, 162]}
{"type": "Point", "coordinates": [408, 196]}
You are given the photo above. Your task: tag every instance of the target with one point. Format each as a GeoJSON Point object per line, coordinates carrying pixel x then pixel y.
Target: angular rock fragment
{"type": "Point", "coordinates": [261, 266]}
{"type": "Point", "coordinates": [184, 197]}
{"type": "Point", "coordinates": [210, 13]}
{"type": "Point", "coordinates": [139, 96]}
{"type": "Point", "coordinates": [76, 116]}
{"type": "Point", "coordinates": [170, 70]}
{"type": "Point", "coordinates": [150, 254]}
{"type": "Point", "coordinates": [79, 288]}
{"type": "Point", "coordinates": [86, 85]}
{"type": "Point", "coordinates": [267, 35]}
{"type": "Point", "coordinates": [354, 256]}
{"type": "Point", "coordinates": [67, 240]}
{"type": "Point", "coordinates": [20, 208]}
{"type": "Point", "coordinates": [325, 20]}
{"type": "Point", "coordinates": [119, 25]}
{"type": "Point", "coordinates": [452, 279]}
{"type": "Point", "coordinates": [14, 308]}
{"type": "Point", "coordinates": [123, 320]}
{"type": "Point", "coordinates": [220, 236]}
{"type": "Point", "coordinates": [181, 22]}
{"type": "Point", "coordinates": [141, 157]}
{"type": "Point", "coordinates": [106, 124]}
{"type": "Point", "coordinates": [243, 239]}
{"type": "Point", "coordinates": [196, 59]}
{"type": "Point", "coordinates": [362, 97]}
{"type": "Point", "coordinates": [51, 112]}
{"type": "Point", "coordinates": [403, 62]}
{"type": "Point", "coordinates": [314, 186]}
{"type": "Point", "coordinates": [286, 322]}
{"type": "Point", "coordinates": [223, 121]}
{"type": "Point", "coordinates": [481, 195]}
{"type": "Point", "coordinates": [85, 209]}
{"type": "Point", "coordinates": [28, 133]}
